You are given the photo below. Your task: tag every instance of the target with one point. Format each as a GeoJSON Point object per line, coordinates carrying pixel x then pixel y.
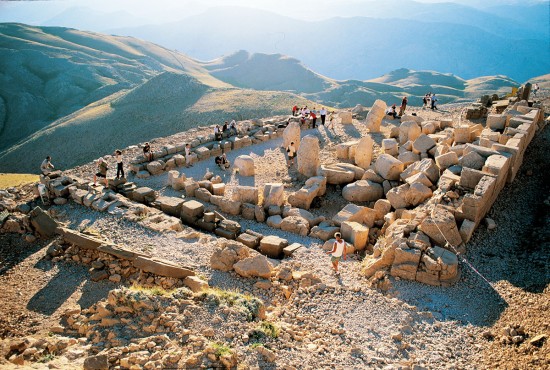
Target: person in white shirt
{"type": "Point", "coordinates": [291, 151]}
{"type": "Point", "coordinates": [338, 252]}
{"type": "Point", "coordinates": [217, 133]}
{"type": "Point", "coordinates": [323, 113]}
{"type": "Point", "coordinates": [233, 128]}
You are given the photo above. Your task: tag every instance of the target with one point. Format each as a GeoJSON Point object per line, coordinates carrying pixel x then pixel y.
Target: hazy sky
{"type": "Point", "coordinates": [158, 11]}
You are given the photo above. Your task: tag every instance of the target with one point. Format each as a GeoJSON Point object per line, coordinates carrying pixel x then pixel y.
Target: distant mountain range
{"type": "Point", "coordinates": [85, 93]}
{"type": "Point", "coordinates": [382, 36]}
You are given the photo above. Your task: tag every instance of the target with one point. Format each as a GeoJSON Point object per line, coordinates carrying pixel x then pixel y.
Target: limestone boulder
{"type": "Point", "coordinates": [245, 194]}
{"type": "Point", "coordinates": [336, 175]}
{"type": "Point", "coordinates": [245, 165]}
{"type": "Point", "coordinates": [363, 152]}
{"type": "Point", "coordinates": [291, 133]}
{"type": "Point", "coordinates": [398, 196]}
{"type": "Point", "coordinates": [388, 167]}
{"type": "Point", "coordinates": [423, 144]}
{"type": "Point", "coordinates": [346, 118]}
{"type": "Point", "coordinates": [256, 266]}
{"type": "Point", "coordinates": [227, 254]}
{"type": "Point", "coordinates": [274, 221]}
{"type": "Point", "coordinates": [176, 180]}
{"type": "Point", "coordinates": [417, 193]}
{"type": "Point", "coordinates": [355, 233]}
{"type": "Point", "coordinates": [295, 224]}
{"type": "Point", "coordinates": [408, 131]}
{"type": "Point", "coordinates": [376, 115]}
{"type": "Point", "coordinates": [441, 227]}
{"type": "Point", "coordinates": [308, 156]}
{"type": "Point", "coordinates": [155, 167]}
{"type": "Point", "coordinates": [472, 160]}
{"type": "Point", "coordinates": [427, 166]}
{"type": "Point", "coordinates": [363, 191]}
{"type": "Point", "coordinates": [274, 195]}
{"type": "Point", "coordinates": [272, 246]}
{"type": "Point", "coordinates": [324, 231]}
{"type": "Point", "coordinates": [446, 160]}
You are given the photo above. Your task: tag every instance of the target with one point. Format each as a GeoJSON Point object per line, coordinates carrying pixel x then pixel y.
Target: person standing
{"type": "Point", "coordinates": [535, 89]}
{"type": "Point", "coordinates": [291, 152]}
{"type": "Point", "coordinates": [433, 99]}
{"type": "Point", "coordinates": [338, 252]}
{"type": "Point", "coordinates": [188, 156]}
{"type": "Point", "coordinates": [119, 165]}
{"type": "Point", "coordinates": [294, 110]}
{"type": "Point", "coordinates": [313, 117]}
{"type": "Point", "coordinates": [217, 133]}
{"type": "Point", "coordinates": [403, 106]}
{"type": "Point", "coordinates": [101, 171]}
{"type": "Point", "coordinates": [331, 121]}
{"type": "Point", "coordinates": [323, 113]}
{"type": "Point", "coordinates": [46, 167]}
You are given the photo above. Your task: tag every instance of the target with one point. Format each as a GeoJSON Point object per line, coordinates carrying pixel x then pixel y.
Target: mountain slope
{"type": "Point", "coordinates": [47, 73]}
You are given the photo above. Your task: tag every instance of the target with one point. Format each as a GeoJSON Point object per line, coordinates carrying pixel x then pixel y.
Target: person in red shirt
{"type": "Point", "coordinates": [313, 117]}
{"type": "Point", "coordinates": [294, 110]}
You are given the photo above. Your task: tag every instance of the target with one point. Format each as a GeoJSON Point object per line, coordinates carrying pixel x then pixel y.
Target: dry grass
{"type": "Point", "coordinates": [8, 180]}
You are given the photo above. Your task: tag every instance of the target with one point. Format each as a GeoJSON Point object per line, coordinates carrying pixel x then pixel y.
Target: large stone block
{"type": "Point", "coordinates": [272, 246]}
{"type": "Point", "coordinates": [257, 266]}
{"type": "Point", "coordinates": [362, 191]}
{"type": "Point", "coordinates": [423, 144]}
{"type": "Point", "coordinates": [308, 156]}
{"type": "Point", "coordinates": [274, 194]}
{"type": "Point", "coordinates": [296, 225]}
{"type": "Point", "coordinates": [388, 167]}
{"type": "Point", "coordinates": [408, 131]}
{"type": "Point", "coordinates": [274, 221]}
{"type": "Point", "coordinates": [336, 175]}
{"type": "Point", "coordinates": [446, 160]}
{"type": "Point", "coordinates": [155, 167]}
{"type": "Point", "coordinates": [231, 207]}
{"type": "Point", "coordinates": [363, 152]}
{"type": "Point", "coordinates": [292, 134]}
{"type": "Point", "coordinates": [427, 166]}
{"type": "Point", "coordinates": [192, 208]}
{"type": "Point", "coordinates": [376, 115]}
{"type": "Point", "coordinates": [355, 233]}
{"type": "Point", "coordinates": [496, 121]}
{"type": "Point", "coordinates": [346, 118]}
{"type": "Point", "coordinates": [441, 227]}
{"type": "Point", "coordinates": [245, 165]}
{"type": "Point", "coordinates": [245, 194]}
{"type": "Point", "coordinates": [171, 205]}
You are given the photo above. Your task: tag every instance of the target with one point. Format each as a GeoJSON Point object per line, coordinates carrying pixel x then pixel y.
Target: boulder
{"type": "Point", "coordinates": [408, 131]}
{"type": "Point", "coordinates": [441, 227]}
{"type": "Point", "coordinates": [423, 144]}
{"type": "Point", "coordinates": [355, 233]}
{"type": "Point", "coordinates": [346, 118]}
{"type": "Point", "coordinates": [408, 157]}
{"type": "Point", "coordinates": [274, 194]}
{"type": "Point", "coordinates": [155, 167]}
{"type": "Point", "coordinates": [376, 115]}
{"type": "Point", "coordinates": [245, 165]}
{"type": "Point", "coordinates": [43, 223]}
{"type": "Point", "coordinates": [398, 196]}
{"type": "Point", "coordinates": [99, 362]}
{"type": "Point", "coordinates": [195, 283]}
{"type": "Point", "coordinates": [446, 160]}
{"type": "Point", "coordinates": [308, 156]}
{"type": "Point", "coordinates": [245, 194]}
{"type": "Point", "coordinates": [337, 175]}
{"type": "Point", "coordinates": [257, 266]}
{"type": "Point", "coordinates": [272, 246]}
{"type": "Point", "coordinates": [388, 167]}
{"type": "Point", "coordinates": [472, 160]}
{"type": "Point", "coordinates": [363, 191]}
{"type": "Point", "coordinates": [231, 207]}
{"type": "Point", "coordinates": [291, 133]}
{"type": "Point", "coordinates": [324, 231]}
{"type": "Point", "coordinates": [162, 267]}
{"type": "Point", "coordinates": [226, 255]}
{"type": "Point", "coordinates": [389, 146]}
{"type": "Point", "coordinates": [427, 166]}
{"type": "Point", "coordinates": [363, 152]}
{"type": "Point", "coordinates": [176, 180]}
{"type": "Point", "coordinates": [274, 221]}
{"type": "Point", "coordinates": [296, 225]}
{"type": "Point", "coordinates": [417, 194]}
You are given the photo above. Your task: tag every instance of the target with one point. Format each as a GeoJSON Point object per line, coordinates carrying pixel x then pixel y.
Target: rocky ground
{"type": "Point", "coordinates": [343, 322]}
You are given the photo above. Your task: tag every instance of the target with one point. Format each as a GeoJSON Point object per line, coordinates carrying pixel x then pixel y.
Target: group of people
{"type": "Point", "coordinates": [392, 110]}
{"type": "Point", "coordinates": [226, 130]}
{"type": "Point", "coordinates": [305, 112]}
{"type": "Point", "coordinates": [430, 101]}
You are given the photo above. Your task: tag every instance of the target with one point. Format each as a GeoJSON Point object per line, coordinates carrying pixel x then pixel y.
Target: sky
{"type": "Point", "coordinates": [160, 11]}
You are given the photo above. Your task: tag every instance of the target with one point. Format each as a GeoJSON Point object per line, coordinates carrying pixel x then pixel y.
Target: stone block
{"type": "Point", "coordinates": [496, 121]}
{"type": "Point", "coordinates": [274, 221]}
{"type": "Point", "coordinates": [248, 211]}
{"type": "Point", "coordinates": [408, 131]}
{"type": "Point", "coordinates": [423, 144]}
{"type": "Point", "coordinates": [192, 208]}
{"type": "Point", "coordinates": [345, 118]}
{"type": "Point", "coordinates": [191, 187]}
{"type": "Point", "coordinates": [407, 157]}
{"type": "Point", "coordinates": [245, 165]}
{"type": "Point", "coordinates": [295, 224]}
{"type": "Point", "coordinates": [308, 156]}
{"type": "Point", "coordinates": [231, 207]}
{"type": "Point", "coordinates": [155, 167]}
{"type": "Point", "coordinates": [274, 194]}
{"type": "Point", "coordinates": [324, 231]}
{"type": "Point", "coordinates": [144, 195]}
{"type": "Point", "coordinates": [376, 115]}
{"type": "Point", "coordinates": [218, 189]}
{"type": "Point", "coordinates": [363, 152]}
{"type": "Point", "coordinates": [202, 153]}
{"type": "Point", "coordinates": [420, 178]}
{"type": "Point", "coordinates": [251, 241]}
{"type": "Point", "coordinates": [441, 227]}
{"type": "Point", "coordinates": [203, 194]}
{"type": "Point", "coordinates": [469, 178]}
{"type": "Point", "coordinates": [427, 166]}
{"type": "Point", "coordinates": [363, 191]}
{"type": "Point", "coordinates": [272, 246]}
{"type": "Point", "coordinates": [446, 160]}
{"type": "Point", "coordinates": [245, 194]}
{"type": "Point", "coordinates": [162, 267]}
{"type": "Point", "coordinates": [467, 230]}
{"type": "Point", "coordinates": [388, 167]}
{"type": "Point", "coordinates": [472, 160]}
{"type": "Point", "coordinates": [289, 251]}
{"type": "Point", "coordinates": [355, 233]}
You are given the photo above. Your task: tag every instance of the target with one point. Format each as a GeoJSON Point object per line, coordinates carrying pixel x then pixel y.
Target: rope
{"type": "Point", "coordinates": [461, 257]}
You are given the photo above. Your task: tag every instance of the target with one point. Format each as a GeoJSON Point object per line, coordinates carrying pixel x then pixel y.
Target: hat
{"type": "Point", "coordinates": [337, 235]}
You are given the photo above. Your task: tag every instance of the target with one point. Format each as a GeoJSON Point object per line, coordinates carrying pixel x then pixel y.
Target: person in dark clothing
{"type": "Point", "coordinates": [119, 165]}
{"type": "Point", "coordinates": [147, 152]}
{"type": "Point", "coordinates": [222, 161]}
{"type": "Point", "coordinates": [392, 111]}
